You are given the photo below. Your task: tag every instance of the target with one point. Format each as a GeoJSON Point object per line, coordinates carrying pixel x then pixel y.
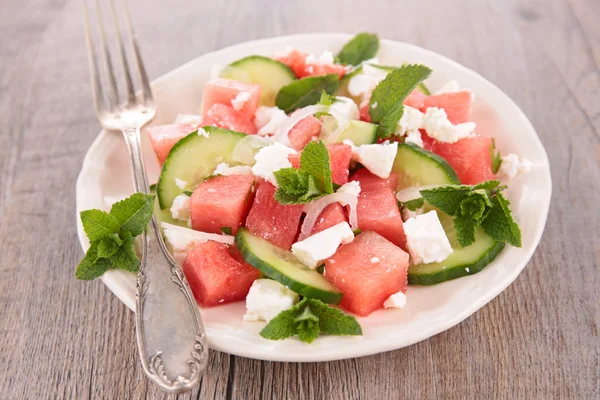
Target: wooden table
{"type": "Point", "coordinates": [61, 338]}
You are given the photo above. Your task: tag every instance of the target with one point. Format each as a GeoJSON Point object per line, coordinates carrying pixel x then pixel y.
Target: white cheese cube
{"type": "Point", "coordinates": [325, 58]}
{"type": "Point", "coordinates": [415, 138]}
{"type": "Point", "coordinates": [191, 119]}
{"type": "Point", "coordinates": [438, 126]}
{"type": "Point", "coordinates": [322, 245]}
{"type": "Point", "coordinates": [512, 166]}
{"type": "Point", "coordinates": [240, 99]}
{"type": "Point", "coordinates": [411, 121]}
{"type": "Point", "coordinates": [377, 158]}
{"type": "Point", "coordinates": [180, 183]}
{"type": "Point", "coordinates": [266, 299]}
{"type": "Point", "coordinates": [180, 209]}
{"type": "Point", "coordinates": [344, 109]}
{"type": "Point", "coordinates": [270, 159]}
{"type": "Point", "coordinates": [397, 300]}
{"type": "Point", "coordinates": [426, 239]}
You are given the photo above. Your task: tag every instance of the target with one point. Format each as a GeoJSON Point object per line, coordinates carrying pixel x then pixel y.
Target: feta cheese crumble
{"type": "Point", "coordinates": [266, 299]}
{"type": "Point", "coordinates": [397, 300]}
{"type": "Point", "coordinates": [240, 100]}
{"type": "Point", "coordinates": [270, 159]}
{"type": "Point", "coordinates": [180, 209]}
{"type": "Point", "coordinates": [414, 137]}
{"type": "Point", "coordinates": [180, 183]}
{"type": "Point", "coordinates": [362, 83]}
{"type": "Point", "coordinates": [247, 147]}
{"type": "Point", "coordinates": [512, 166]}
{"type": "Point", "coordinates": [375, 260]}
{"type": "Point", "coordinates": [322, 245]}
{"type": "Point", "coordinates": [225, 169]}
{"type": "Point", "coordinates": [190, 119]}
{"type": "Point", "coordinates": [377, 158]}
{"type": "Point", "coordinates": [202, 132]}
{"type": "Point", "coordinates": [440, 128]}
{"type": "Point", "coordinates": [344, 108]}
{"type": "Point", "coordinates": [268, 119]}
{"type": "Point", "coordinates": [325, 58]}
{"type": "Point", "coordinates": [411, 121]}
{"type": "Point", "coordinates": [427, 242]}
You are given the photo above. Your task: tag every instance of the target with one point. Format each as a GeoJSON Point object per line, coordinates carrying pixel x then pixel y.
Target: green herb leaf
{"type": "Point", "coordinates": [500, 224]}
{"type": "Point", "coordinates": [414, 204]}
{"type": "Point", "coordinates": [306, 91]}
{"type": "Point", "coordinates": [98, 224]}
{"type": "Point", "coordinates": [315, 161]}
{"type": "Point", "coordinates": [361, 47]}
{"type": "Point", "coordinates": [496, 157]}
{"type": "Point", "coordinates": [447, 198]}
{"type": "Point", "coordinates": [475, 204]}
{"type": "Point", "coordinates": [92, 267]}
{"type": "Point", "coordinates": [188, 193]}
{"type": "Point", "coordinates": [307, 319]}
{"type": "Point", "coordinates": [465, 230]}
{"type": "Point", "coordinates": [108, 246]}
{"type": "Point", "coordinates": [126, 258]}
{"type": "Point", "coordinates": [134, 212]}
{"type": "Point", "coordinates": [390, 94]}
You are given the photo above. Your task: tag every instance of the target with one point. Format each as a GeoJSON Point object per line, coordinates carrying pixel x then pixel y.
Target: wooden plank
{"type": "Point", "coordinates": [66, 339]}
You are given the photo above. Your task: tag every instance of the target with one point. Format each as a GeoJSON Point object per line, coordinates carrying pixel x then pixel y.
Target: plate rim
{"type": "Point", "coordinates": [392, 344]}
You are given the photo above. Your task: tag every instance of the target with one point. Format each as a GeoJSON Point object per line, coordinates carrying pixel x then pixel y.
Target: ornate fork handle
{"type": "Point", "coordinates": [170, 334]}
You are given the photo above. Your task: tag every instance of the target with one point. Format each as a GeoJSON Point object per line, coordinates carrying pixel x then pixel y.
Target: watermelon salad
{"type": "Point", "coordinates": [310, 185]}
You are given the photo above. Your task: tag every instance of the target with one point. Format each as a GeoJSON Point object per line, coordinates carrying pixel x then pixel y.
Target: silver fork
{"type": "Point", "coordinates": [170, 334]}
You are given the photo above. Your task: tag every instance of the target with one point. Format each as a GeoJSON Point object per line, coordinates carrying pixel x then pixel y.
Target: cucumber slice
{"type": "Point", "coordinates": [270, 74]}
{"type": "Point", "coordinates": [284, 267]}
{"type": "Point", "coordinates": [359, 132]}
{"type": "Point", "coordinates": [193, 158]}
{"type": "Point", "coordinates": [419, 167]}
{"type": "Point", "coordinates": [463, 261]}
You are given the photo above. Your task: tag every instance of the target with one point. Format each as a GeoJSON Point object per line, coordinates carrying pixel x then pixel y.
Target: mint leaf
{"type": "Point", "coordinates": [98, 224]}
{"type": "Point", "coordinates": [314, 160]}
{"type": "Point", "coordinates": [495, 156]}
{"type": "Point", "coordinates": [390, 95]}
{"type": "Point", "coordinates": [92, 267]}
{"type": "Point", "coordinates": [500, 224]}
{"type": "Point", "coordinates": [333, 321]}
{"type": "Point", "coordinates": [447, 198]}
{"type": "Point", "coordinates": [326, 99]}
{"type": "Point", "coordinates": [307, 319]}
{"type": "Point", "coordinates": [489, 186]}
{"type": "Point", "coordinates": [306, 91]}
{"type": "Point", "coordinates": [134, 213]}
{"type": "Point", "coordinates": [108, 246]}
{"type": "Point", "coordinates": [361, 47]}
{"type": "Point", "coordinates": [414, 204]}
{"type": "Point", "coordinates": [126, 258]}
{"type": "Point", "coordinates": [475, 204]}
{"type": "Point", "coordinates": [465, 230]}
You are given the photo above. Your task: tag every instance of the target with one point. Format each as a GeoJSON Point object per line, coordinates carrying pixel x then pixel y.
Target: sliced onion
{"type": "Point", "coordinates": [192, 235]}
{"type": "Point", "coordinates": [281, 134]}
{"type": "Point", "coordinates": [247, 147]}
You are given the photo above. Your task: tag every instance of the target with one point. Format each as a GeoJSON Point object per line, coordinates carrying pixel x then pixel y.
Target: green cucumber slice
{"type": "Point", "coordinates": [270, 74]}
{"type": "Point", "coordinates": [416, 166]}
{"type": "Point", "coordinates": [359, 132]}
{"type": "Point", "coordinates": [193, 158]}
{"type": "Point", "coordinates": [463, 261]}
{"type": "Point", "coordinates": [282, 266]}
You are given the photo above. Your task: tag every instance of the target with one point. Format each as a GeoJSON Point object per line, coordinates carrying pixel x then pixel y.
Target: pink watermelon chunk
{"type": "Point", "coordinates": [324, 69]}
{"type": "Point", "coordinates": [304, 131]}
{"type": "Point", "coordinates": [470, 158]}
{"type": "Point", "coordinates": [416, 99]}
{"type": "Point", "coordinates": [332, 215]}
{"type": "Point", "coordinates": [164, 137]}
{"type": "Point", "coordinates": [339, 158]}
{"type": "Point", "coordinates": [364, 112]}
{"type": "Point", "coordinates": [428, 141]}
{"type": "Point", "coordinates": [216, 276]}
{"type": "Point", "coordinates": [456, 104]}
{"type": "Point", "coordinates": [369, 181]}
{"type": "Point", "coordinates": [378, 211]}
{"type": "Point", "coordinates": [226, 117]}
{"type": "Point", "coordinates": [368, 271]}
{"type": "Point", "coordinates": [271, 220]}
{"type": "Point", "coordinates": [296, 60]}
{"type": "Point", "coordinates": [224, 91]}
{"type": "Point", "coordinates": [222, 202]}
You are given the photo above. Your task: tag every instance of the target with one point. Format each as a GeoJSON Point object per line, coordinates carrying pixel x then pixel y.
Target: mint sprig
{"type": "Point", "coordinates": [361, 47]}
{"type": "Point", "coordinates": [306, 91]}
{"type": "Point", "coordinates": [482, 205]}
{"type": "Point", "coordinates": [312, 180]}
{"type": "Point", "coordinates": [308, 319]}
{"type": "Point", "coordinates": [112, 236]}
{"type": "Point", "coordinates": [386, 105]}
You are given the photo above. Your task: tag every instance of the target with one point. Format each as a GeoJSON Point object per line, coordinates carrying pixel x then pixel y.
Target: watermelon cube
{"type": "Point", "coordinates": [163, 138]}
{"type": "Point", "coordinates": [368, 271]}
{"type": "Point", "coordinates": [243, 97]}
{"type": "Point", "coordinates": [470, 158]}
{"type": "Point", "coordinates": [272, 221]}
{"type": "Point", "coordinates": [222, 202]}
{"type": "Point", "coordinates": [428, 141]}
{"type": "Point", "coordinates": [318, 69]}
{"type": "Point", "coordinates": [456, 104]}
{"type": "Point", "coordinates": [378, 211]}
{"type": "Point", "coordinates": [226, 117]}
{"type": "Point", "coordinates": [304, 131]}
{"type": "Point", "coordinates": [296, 60]}
{"type": "Point", "coordinates": [216, 276]}
{"type": "Point", "coordinates": [363, 111]}
{"type": "Point", "coordinates": [339, 159]}
{"type": "Point", "coordinates": [416, 99]}
{"type": "Point", "coordinates": [369, 181]}
{"type": "Point", "coordinates": [332, 215]}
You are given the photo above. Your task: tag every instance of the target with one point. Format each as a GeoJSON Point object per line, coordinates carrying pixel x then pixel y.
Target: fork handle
{"type": "Point", "coordinates": [170, 334]}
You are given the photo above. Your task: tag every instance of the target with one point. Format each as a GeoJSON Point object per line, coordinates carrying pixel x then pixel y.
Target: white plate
{"type": "Point", "coordinates": [429, 310]}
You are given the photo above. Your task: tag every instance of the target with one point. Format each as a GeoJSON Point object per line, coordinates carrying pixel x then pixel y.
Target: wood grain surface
{"type": "Point", "coordinates": [60, 338]}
